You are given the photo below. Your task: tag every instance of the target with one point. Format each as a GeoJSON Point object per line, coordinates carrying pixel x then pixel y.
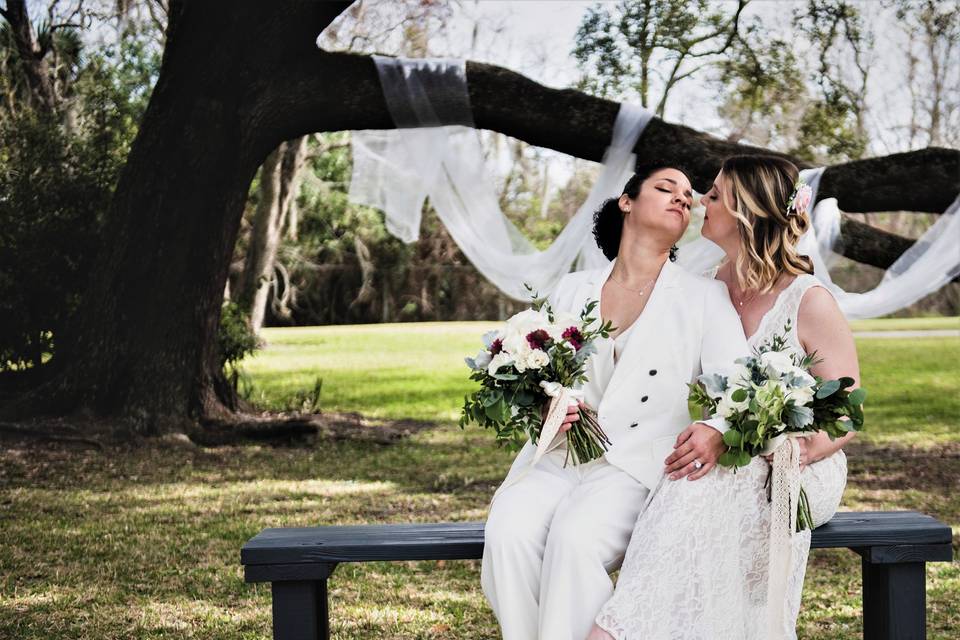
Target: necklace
{"type": "Point", "coordinates": [743, 301]}
{"type": "Point", "coordinates": [640, 291]}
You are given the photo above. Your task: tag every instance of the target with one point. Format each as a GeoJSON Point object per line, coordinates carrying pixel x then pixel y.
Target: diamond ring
{"type": "Point", "coordinates": [697, 464]}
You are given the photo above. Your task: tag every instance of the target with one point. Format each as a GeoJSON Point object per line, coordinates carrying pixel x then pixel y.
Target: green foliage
{"type": "Point", "coordinates": [635, 47]}
{"type": "Point", "coordinates": [55, 190]}
{"type": "Point", "coordinates": [235, 337]}
{"type": "Point", "coordinates": [57, 175]}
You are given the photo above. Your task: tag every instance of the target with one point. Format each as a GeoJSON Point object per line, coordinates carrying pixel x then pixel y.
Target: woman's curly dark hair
{"type": "Point", "coordinates": [608, 219]}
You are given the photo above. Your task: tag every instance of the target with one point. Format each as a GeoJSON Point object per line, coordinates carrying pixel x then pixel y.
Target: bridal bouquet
{"type": "Point", "coordinates": [538, 355]}
{"type": "Point", "coordinates": [769, 397]}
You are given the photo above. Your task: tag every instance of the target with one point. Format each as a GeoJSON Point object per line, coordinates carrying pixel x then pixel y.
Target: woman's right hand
{"type": "Point", "coordinates": [573, 414]}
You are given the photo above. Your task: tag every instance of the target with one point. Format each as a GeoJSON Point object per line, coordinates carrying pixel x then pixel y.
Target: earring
{"type": "Point", "coordinates": [673, 253]}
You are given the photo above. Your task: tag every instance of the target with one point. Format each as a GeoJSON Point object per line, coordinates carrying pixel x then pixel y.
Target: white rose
{"type": "Point", "coordinates": [516, 345]}
{"type": "Point", "coordinates": [536, 359]}
{"type": "Point", "coordinates": [802, 395]}
{"type": "Point", "coordinates": [556, 332]}
{"type": "Point", "coordinates": [497, 361]}
{"type": "Point", "coordinates": [527, 321]}
{"type": "Point", "coordinates": [776, 363]}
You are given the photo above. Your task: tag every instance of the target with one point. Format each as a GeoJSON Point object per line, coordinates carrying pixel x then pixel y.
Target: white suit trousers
{"type": "Point", "coordinates": [551, 540]}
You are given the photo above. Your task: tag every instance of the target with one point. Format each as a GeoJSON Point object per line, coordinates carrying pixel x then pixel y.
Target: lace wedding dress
{"type": "Point", "coordinates": [697, 564]}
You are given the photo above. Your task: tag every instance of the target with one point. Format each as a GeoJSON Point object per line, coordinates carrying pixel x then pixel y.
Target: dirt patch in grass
{"type": "Point", "coordinates": [268, 428]}
{"type": "Point", "coordinates": [935, 468]}
{"type": "Point", "coordinates": [307, 429]}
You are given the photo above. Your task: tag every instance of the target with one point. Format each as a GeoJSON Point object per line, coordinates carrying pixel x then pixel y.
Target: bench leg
{"type": "Point", "coordinates": [894, 601]}
{"type": "Point", "coordinates": [300, 610]}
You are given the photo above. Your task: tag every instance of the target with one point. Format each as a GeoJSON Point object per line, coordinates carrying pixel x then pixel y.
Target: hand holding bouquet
{"type": "Point", "coordinates": [538, 356]}
{"type": "Point", "coordinates": [770, 397]}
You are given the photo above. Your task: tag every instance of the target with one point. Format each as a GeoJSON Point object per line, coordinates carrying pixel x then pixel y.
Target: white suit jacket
{"type": "Point", "coordinates": [688, 327]}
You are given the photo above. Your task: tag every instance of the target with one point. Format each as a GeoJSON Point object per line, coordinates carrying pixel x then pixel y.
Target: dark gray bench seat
{"type": "Point", "coordinates": [894, 546]}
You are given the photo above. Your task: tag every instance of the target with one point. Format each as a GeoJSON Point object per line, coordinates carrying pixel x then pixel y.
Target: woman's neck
{"type": "Point", "coordinates": [638, 263]}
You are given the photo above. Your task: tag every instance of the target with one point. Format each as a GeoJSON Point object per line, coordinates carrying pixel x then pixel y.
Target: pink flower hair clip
{"type": "Point", "coordinates": [800, 200]}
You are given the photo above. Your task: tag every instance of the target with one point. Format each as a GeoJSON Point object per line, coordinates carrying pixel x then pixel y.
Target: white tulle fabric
{"type": "Point", "coordinates": [435, 152]}
{"type": "Point", "coordinates": [930, 263]}
{"type": "Point", "coordinates": [432, 154]}
{"type": "Point", "coordinates": [697, 564]}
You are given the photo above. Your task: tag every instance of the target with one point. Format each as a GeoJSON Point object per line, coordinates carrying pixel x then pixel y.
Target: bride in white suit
{"type": "Point", "coordinates": [554, 533]}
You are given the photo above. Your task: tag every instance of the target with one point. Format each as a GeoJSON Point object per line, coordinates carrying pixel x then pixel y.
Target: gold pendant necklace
{"type": "Point", "coordinates": [639, 291]}
{"type": "Point", "coordinates": [738, 305]}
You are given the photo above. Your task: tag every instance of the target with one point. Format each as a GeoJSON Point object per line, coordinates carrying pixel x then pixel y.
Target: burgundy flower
{"type": "Point", "coordinates": [496, 347]}
{"type": "Point", "coordinates": [574, 337]}
{"type": "Point", "coordinates": [538, 339]}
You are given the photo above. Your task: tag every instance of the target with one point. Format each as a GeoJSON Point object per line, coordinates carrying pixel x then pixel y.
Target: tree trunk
{"type": "Point", "coordinates": [279, 185]}
{"type": "Point", "coordinates": [32, 57]}
{"type": "Point", "coordinates": [236, 81]}
{"type": "Point", "coordinates": [143, 347]}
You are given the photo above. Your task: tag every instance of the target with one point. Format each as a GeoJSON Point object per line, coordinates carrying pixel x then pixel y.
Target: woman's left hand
{"type": "Point", "coordinates": [807, 450]}
{"type": "Point", "coordinates": [698, 443]}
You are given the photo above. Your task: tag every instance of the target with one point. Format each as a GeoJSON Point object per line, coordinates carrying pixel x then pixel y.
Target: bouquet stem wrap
{"type": "Point", "coordinates": [562, 397]}
{"type": "Point", "coordinates": [785, 499]}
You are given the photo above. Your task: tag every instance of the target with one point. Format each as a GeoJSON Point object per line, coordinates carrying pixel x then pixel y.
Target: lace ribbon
{"type": "Point", "coordinates": [785, 496]}
{"type": "Point", "coordinates": [563, 397]}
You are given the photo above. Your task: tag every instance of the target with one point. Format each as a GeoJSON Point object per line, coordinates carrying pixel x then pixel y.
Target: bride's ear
{"type": "Point", "coordinates": [625, 203]}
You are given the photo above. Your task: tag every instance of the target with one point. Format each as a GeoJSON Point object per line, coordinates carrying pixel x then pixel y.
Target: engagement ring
{"type": "Point", "coordinates": [697, 464]}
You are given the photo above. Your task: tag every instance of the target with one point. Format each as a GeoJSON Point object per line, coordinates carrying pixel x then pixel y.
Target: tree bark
{"type": "Point", "coordinates": [279, 185]}
{"type": "Point", "coordinates": [236, 81]}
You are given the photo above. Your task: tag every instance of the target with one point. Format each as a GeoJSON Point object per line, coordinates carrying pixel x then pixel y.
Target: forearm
{"type": "Point", "coordinates": [821, 446]}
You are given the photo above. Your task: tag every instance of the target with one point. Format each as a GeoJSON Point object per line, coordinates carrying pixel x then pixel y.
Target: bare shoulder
{"type": "Point", "coordinates": [820, 321]}
{"type": "Point", "coordinates": [818, 307]}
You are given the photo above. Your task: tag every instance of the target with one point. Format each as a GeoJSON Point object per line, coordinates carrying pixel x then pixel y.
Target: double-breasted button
{"type": "Point", "coordinates": [633, 424]}
{"type": "Point", "coordinates": [644, 398]}
{"type": "Point", "coordinates": [653, 372]}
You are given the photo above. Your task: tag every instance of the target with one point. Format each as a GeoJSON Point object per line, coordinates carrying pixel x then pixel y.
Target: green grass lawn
{"type": "Point", "coordinates": [907, 324]}
{"type": "Point", "coordinates": [143, 542]}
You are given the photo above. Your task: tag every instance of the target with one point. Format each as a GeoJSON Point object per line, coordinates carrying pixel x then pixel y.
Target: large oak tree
{"type": "Point", "coordinates": [239, 79]}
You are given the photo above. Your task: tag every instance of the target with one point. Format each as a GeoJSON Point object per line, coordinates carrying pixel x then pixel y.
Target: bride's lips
{"type": "Point", "coordinates": [677, 211]}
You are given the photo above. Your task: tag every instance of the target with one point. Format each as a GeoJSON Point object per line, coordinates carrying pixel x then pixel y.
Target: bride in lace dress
{"type": "Point", "coordinates": [697, 567]}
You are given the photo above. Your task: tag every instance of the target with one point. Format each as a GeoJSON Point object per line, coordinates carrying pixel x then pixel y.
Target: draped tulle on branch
{"type": "Point", "coordinates": [436, 153]}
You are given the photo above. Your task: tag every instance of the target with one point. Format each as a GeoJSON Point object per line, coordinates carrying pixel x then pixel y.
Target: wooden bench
{"type": "Point", "coordinates": [894, 547]}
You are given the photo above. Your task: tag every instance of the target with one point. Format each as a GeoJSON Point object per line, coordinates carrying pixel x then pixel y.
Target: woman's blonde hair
{"type": "Point", "coordinates": [761, 187]}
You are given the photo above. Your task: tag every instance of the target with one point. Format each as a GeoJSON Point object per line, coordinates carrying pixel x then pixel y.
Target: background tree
{"type": "Point", "coordinates": [67, 119]}
{"type": "Point", "coordinates": [141, 348]}
{"type": "Point", "coordinates": [833, 125]}
{"type": "Point", "coordinates": [644, 49]}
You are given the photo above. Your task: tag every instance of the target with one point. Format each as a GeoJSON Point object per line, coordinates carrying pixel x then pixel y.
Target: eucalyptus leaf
{"type": "Point", "coordinates": [828, 389]}
{"type": "Point", "coordinates": [728, 458]}
{"type": "Point", "coordinates": [732, 438]}
{"type": "Point", "coordinates": [857, 396]}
